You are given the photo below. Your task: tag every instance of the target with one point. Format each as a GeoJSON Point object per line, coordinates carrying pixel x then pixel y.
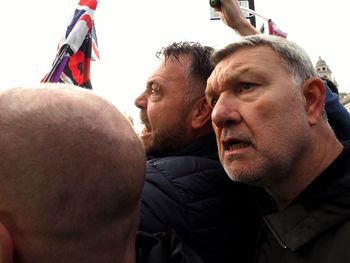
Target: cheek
{"type": "Point", "coordinates": [265, 119]}
{"type": "Point", "coordinates": [217, 132]}
{"type": "Point", "coordinates": [275, 122]}
{"type": "Point", "coordinates": [155, 111]}
{"type": "Point", "coordinates": [162, 114]}
{"type": "Point", "coordinates": [218, 135]}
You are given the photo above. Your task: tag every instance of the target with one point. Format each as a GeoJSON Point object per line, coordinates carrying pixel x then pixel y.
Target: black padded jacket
{"type": "Point", "coordinates": [190, 193]}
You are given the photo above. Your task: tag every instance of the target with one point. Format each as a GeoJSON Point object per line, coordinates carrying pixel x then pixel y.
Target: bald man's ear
{"type": "Point", "coordinates": [201, 113]}
{"type": "Point", "coordinates": [6, 245]}
{"type": "Point", "coordinates": [315, 97]}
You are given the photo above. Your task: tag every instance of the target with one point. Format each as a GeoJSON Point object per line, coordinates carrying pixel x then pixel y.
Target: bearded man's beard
{"type": "Point", "coordinates": [166, 141]}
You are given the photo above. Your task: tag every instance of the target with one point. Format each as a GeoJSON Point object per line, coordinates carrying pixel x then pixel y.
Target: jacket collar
{"type": "Point", "coordinates": [296, 225]}
{"type": "Point", "coordinates": [323, 204]}
{"type": "Point", "coordinates": [204, 146]}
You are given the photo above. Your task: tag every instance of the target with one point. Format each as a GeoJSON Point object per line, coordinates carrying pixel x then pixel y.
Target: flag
{"type": "Point", "coordinates": [275, 30]}
{"type": "Point", "coordinates": [77, 48]}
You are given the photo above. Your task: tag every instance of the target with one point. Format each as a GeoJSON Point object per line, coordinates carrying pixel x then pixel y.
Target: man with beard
{"type": "Point", "coordinates": [186, 188]}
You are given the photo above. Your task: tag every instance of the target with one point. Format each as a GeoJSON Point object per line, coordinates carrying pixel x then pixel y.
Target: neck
{"type": "Point", "coordinates": [202, 131]}
{"type": "Point", "coordinates": [323, 151]}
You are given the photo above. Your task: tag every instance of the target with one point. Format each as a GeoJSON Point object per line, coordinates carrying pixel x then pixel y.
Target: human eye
{"type": "Point", "coordinates": [245, 86]}
{"type": "Point", "coordinates": [211, 100]}
{"type": "Point", "coordinates": [154, 89]}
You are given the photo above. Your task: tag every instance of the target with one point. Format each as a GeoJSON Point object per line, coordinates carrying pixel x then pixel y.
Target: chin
{"type": "Point", "coordinates": [245, 177]}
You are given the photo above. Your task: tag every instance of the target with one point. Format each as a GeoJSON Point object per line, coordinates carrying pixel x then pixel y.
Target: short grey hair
{"type": "Point", "coordinates": [295, 58]}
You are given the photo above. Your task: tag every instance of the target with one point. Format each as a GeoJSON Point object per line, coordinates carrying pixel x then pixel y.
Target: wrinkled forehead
{"type": "Point", "coordinates": [245, 60]}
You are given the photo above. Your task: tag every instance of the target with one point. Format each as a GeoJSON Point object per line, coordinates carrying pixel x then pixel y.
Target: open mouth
{"type": "Point", "coordinates": [146, 129]}
{"type": "Point", "coordinates": [231, 145]}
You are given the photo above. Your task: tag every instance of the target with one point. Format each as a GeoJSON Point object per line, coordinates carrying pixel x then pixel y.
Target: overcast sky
{"type": "Point", "coordinates": [130, 32]}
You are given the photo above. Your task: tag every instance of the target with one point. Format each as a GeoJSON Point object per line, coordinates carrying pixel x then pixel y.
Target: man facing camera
{"type": "Point", "coordinates": [272, 132]}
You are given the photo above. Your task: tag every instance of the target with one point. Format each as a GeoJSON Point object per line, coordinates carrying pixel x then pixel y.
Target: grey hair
{"type": "Point", "coordinates": [295, 58]}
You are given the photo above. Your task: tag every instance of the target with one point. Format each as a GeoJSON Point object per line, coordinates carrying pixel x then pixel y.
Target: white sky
{"type": "Point", "coordinates": [130, 32]}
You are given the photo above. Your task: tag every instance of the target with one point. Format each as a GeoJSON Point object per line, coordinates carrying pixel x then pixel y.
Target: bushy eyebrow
{"type": "Point", "coordinates": [243, 74]}
{"type": "Point", "coordinates": [152, 82]}
{"type": "Point", "coordinates": [231, 78]}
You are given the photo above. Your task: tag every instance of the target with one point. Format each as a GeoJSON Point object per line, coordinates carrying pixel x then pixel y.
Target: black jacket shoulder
{"type": "Point", "coordinates": [192, 195]}
{"type": "Point", "coordinates": [316, 226]}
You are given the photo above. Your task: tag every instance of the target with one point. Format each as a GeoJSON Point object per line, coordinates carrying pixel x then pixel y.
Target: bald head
{"type": "Point", "coordinates": [72, 171]}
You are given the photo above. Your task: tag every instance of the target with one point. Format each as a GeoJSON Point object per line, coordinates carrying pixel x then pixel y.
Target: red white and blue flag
{"type": "Point", "coordinates": [77, 48]}
{"type": "Point", "coordinates": [275, 30]}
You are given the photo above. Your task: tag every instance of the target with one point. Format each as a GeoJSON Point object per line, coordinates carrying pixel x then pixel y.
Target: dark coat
{"type": "Point", "coordinates": [190, 193]}
{"type": "Point", "coordinates": [316, 226]}
{"type": "Point", "coordinates": [163, 248]}
{"type": "Point", "coordinates": [338, 116]}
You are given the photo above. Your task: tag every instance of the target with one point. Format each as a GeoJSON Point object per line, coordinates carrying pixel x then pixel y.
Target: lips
{"type": "Point", "coordinates": [145, 130]}
{"type": "Point", "coordinates": [235, 144]}
{"type": "Point", "coordinates": [146, 127]}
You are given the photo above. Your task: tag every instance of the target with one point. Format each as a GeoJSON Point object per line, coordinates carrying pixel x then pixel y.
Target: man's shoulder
{"type": "Point", "coordinates": [174, 167]}
{"type": "Point", "coordinates": [171, 160]}
{"type": "Point", "coordinates": [187, 178]}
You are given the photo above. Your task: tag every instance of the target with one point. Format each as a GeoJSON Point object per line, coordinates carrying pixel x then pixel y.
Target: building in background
{"type": "Point", "coordinates": [345, 100]}
{"type": "Point", "coordinates": [325, 72]}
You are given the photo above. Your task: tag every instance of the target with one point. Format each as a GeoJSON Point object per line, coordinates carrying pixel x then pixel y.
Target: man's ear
{"type": "Point", "coordinates": [6, 245]}
{"type": "Point", "coordinates": [201, 113]}
{"type": "Point", "coordinates": [315, 95]}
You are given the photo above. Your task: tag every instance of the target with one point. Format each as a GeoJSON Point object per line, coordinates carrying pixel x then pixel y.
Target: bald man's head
{"type": "Point", "coordinates": [71, 172]}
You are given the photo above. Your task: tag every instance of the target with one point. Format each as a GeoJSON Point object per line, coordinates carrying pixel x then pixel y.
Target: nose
{"type": "Point", "coordinates": [225, 111]}
{"type": "Point", "coordinates": [141, 101]}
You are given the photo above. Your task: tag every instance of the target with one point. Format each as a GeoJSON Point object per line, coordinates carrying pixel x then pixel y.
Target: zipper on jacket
{"type": "Point", "coordinates": [274, 233]}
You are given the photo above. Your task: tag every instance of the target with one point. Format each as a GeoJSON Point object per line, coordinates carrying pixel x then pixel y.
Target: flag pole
{"type": "Point", "coordinates": [253, 13]}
